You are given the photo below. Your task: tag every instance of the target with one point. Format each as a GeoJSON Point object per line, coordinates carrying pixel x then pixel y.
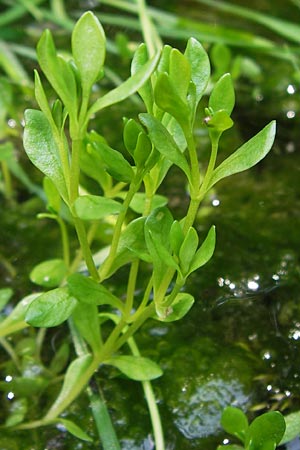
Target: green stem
{"type": "Point", "coordinates": [131, 288]}
{"type": "Point", "coordinates": [104, 269]}
{"type": "Point", "coordinates": [65, 240]}
{"type": "Point", "coordinates": [143, 302]}
{"type": "Point", "coordinates": [211, 164]}
{"type": "Point", "coordinates": [86, 251]}
{"type": "Point", "coordinates": [152, 405]}
{"type": "Point", "coordinates": [74, 176]}
{"type": "Point", "coordinates": [99, 409]}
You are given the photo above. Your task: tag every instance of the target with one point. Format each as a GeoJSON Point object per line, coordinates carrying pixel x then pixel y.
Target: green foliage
{"type": "Point", "coordinates": [264, 433]}
{"type": "Point", "coordinates": [158, 252]}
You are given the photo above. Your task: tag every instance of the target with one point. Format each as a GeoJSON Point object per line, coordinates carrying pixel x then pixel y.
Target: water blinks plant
{"type": "Point", "coordinates": [59, 142]}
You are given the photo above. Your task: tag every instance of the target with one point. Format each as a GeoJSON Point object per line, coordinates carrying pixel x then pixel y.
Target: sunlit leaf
{"type": "Point", "coordinates": [235, 422]}
{"type": "Point", "coordinates": [247, 155]}
{"type": "Point", "coordinates": [88, 291]}
{"type": "Point", "coordinates": [42, 150]}
{"type": "Point", "coordinates": [129, 87]}
{"type": "Point", "coordinates": [222, 96]}
{"type": "Point", "coordinates": [51, 308]}
{"type": "Point", "coordinates": [49, 273]}
{"type": "Point", "coordinates": [205, 251]}
{"type": "Point", "coordinates": [88, 48]}
{"type": "Point", "coordinates": [265, 431]}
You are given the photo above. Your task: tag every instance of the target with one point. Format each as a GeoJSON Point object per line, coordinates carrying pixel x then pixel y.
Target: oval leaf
{"type": "Point", "coordinates": [42, 150]}
{"type": "Point", "coordinates": [88, 48]}
{"type": "Point", "coordinates": [235, 422]}
{"type": "Point", "coordinates": [49, 273]}
{"type": "Point", "coordinates": [200, 66]}
{"type": "Point", "coordinates": [90, 292]}
{"type": "Point", "coordinates": [94, 207]}
{"type": "Point", "coordinates": [266, 430]}
{"type": "Point", "coordinates": [247, 155]}
{"type": "Point", "coordinates": [136, 367]}
{"type": "Point", "coordinates": [222, 96]}
{"type": "Point", "coordinates": [51, 308]}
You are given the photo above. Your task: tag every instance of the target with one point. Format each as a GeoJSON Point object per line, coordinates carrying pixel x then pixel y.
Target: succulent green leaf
{"type": "Point", "coordinates": [176, 237]}
{"type": "Point", "coordinates": [136, 367]}
{"type": "Point", "coordinates": [142, 150]}
{"type": "Point", "coordinates": [188, 249]}
{"type": "Point", "coordinates": [88, 48]}
{"type": "Point", "coordinates": [164, 142]}
{"type": "Point", "coordinates": [74, 429]}
{"type": "Point", "coordinates": [94, 207]}
{"type": "Point", "coordinates": [247, 155]}
{"type": "Point", "coordinates": [167, 98]}
{"type": "Point", "coordinates": [205, 252]}
{"type": "Point", "coordinates": [265, 432]}
{"type": "Point", "coordinates": [235, 422]}
{"type": "Point", "coordinates": [200, 66]}
{"type": "Point", "coordinates": [16, 319]}
{"type": "Point", "coordinates": [129, 87]}
{"type": "Point", "coordinates": [139, 59]}
{"type": "Point", "coordinates": [42, 150]}
{"type": "Point", "coordinates": [131, 133]}
{"type": "Point", "coordinates": [5, 296]}
{"type": "Point", "coordinates": [89, 292]}
{"type": "Point", "coordinates": [180, 73]}
{"type": "Point", "coordinates": [49, 273]}
{"type": "Point", "coordinates": [87, 323]}
{"type": "Point", "coordinates": [292, 430]}
{"type": "Point", "coordinates": [222, 96]}
{"type": "Point", "coordinates": [113, 161]}
{"type": "Point", "coordinates": [179, 308]}
{"type": "Point", "coordinates": [51, 308]}
{"type": "Point", "coordinates": [58, 71]}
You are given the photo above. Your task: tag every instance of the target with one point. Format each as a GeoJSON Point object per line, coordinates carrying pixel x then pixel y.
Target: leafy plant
{"type": "Point", "coordinates": [59, 141]}
{"type": "Point", "coordinates": [265, 432]}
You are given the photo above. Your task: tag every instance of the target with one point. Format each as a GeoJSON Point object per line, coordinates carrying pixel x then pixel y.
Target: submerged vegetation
{"type": "Point", "coordinates": [120, 257]}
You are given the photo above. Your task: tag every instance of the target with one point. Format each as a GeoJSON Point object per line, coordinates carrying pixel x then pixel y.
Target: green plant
{"type": "Point", "coordinates": [59, 142]}
{"type": "Point", "coordinates": [265, 432]}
